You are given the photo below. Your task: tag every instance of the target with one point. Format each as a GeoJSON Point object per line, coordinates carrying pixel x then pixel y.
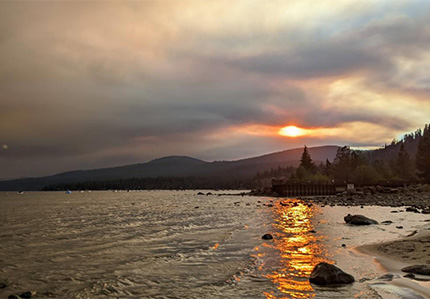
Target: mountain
{"type": "Point", "coordinates": [177, 166]}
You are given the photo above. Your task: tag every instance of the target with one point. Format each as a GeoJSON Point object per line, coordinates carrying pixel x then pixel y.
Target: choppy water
{"type": "Point", "coordinates": [176, 244]}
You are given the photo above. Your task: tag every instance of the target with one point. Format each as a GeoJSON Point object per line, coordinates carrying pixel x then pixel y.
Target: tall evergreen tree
{"type": "Point", "coordinates": [306, 161]}
{"type": "Point", "coordinates": [423, 155]}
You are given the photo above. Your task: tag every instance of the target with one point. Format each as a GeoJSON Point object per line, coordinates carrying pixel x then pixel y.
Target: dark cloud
{"type": "Point", "coordinates": [92, 84]}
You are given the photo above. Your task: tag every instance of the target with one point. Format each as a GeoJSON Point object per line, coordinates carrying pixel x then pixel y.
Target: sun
{"type": "Point", "coordinates": [292, 131]}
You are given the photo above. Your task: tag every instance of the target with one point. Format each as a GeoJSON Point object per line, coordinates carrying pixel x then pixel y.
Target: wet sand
{"type": "Point", "coordinates": [397, 254]}
{"type": "Point", "coordinates": [410, 250]}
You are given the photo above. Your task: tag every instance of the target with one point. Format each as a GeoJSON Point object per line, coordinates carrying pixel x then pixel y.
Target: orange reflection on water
{"type": "Point", "coordinates": [299, 249]}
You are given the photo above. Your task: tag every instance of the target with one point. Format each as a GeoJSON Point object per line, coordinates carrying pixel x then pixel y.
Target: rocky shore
{"type": "Point", "coordinates": [416, 197]}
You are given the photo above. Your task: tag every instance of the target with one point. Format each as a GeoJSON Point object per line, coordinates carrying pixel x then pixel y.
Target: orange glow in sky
{"type": "Point", "coordinates": [292, 131]}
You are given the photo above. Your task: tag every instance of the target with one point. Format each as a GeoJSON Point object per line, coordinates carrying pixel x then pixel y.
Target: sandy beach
{"type": "Point", "coordinates": [410, 250]}
{"type": "Point", "coordinates": [395, 255]}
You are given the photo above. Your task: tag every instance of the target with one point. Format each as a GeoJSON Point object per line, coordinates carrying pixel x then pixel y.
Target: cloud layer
{"type": "Point", "coordinates": [93, 84]}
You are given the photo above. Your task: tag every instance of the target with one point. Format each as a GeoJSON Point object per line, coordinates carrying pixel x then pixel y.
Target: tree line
{"type": "Point", "coordinates": [368, 167]}
{"type": "Point", "coordinates": [158, 183]}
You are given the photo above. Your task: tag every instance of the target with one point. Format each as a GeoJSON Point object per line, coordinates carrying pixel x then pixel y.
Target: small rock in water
{"type": "Point", "coordinates": [359, 220]}
{"type": "Point", "coordinates": [417, 269]}
{"type": "Point", "coordinates": [326, 274]}
{"type": "Point", "coordinates": [267, 237]}
{"type": "Point", "coordinates": [399, 227]}
{"type": "Point", "coordinates": [387, 222]}
{"type": "Point", "coordinates": [386, 277]}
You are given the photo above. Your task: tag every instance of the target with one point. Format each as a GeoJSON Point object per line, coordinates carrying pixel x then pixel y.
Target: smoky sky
{"type": "Point", "coordinates": [105, 83]}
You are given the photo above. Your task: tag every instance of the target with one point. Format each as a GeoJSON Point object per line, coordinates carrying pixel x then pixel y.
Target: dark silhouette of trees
{"type": "Point", "coordinates": [423, 155]}
{"type": "Point", "coordinates": [341, 168]}
{"type": "Point", "coordinates": [327, 168]}
{"type": "Point", "coordinates": [403, 164]}
{"type": "Point", "coordinates": [366, 175]}
{"type": "Point", "coordinates": [306, 161]}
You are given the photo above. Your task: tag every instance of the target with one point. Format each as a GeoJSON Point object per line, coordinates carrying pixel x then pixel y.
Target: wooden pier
{"type": "Point", "coordinates": [286, 189]}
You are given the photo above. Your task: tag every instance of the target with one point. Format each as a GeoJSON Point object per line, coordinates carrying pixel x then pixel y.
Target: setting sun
{"type": "Point", "coordinates": [292, 131]}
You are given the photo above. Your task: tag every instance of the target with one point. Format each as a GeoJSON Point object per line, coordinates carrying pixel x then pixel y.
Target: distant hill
{"type": "Point", "coordinates": [176, 166]}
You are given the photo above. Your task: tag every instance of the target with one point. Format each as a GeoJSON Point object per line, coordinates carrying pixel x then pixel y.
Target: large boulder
{"type": "Point", "coordinates": [326, 274]}
{"type": "Point", "coordinates": [417, 269]}
{"type": "Point", "coordinates": [359, 220]}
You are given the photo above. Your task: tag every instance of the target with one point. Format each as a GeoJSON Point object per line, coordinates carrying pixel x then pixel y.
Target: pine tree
{"type": "Point", "coordinates": [306, 161]}
{"type": "Point", "coordinates": [423, 155]}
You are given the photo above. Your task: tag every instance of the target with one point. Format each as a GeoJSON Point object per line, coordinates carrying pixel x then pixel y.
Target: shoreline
{"type": "Point", "coordinates": [394, 255]}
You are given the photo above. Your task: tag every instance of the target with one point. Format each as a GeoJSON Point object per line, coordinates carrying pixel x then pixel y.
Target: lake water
{"type": "Point", "coordinates": [177, 244]}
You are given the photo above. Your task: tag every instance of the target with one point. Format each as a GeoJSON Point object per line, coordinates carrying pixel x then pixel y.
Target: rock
{"type": "Point", "coordinates": [409, 275]}
{"type": "Point", "coordinates": [412, 209]}
{"type": "Point", "coordinates": [399, 227]}
{"type": "Point", "coordinates": [387, 222]}
{"type": "Point", "coordinates": [417, 269]}
{"type": "Point", "coordinates": [426, 211]}
{"type": "Point", "coordinates": [200, 193]}
{"type": "Point", "coordinates": [343, 245]}
{"type": "Point", "coordinates": [412, 233]}
{"type": "Point", "coordinates": [209, 193]}
{"type": "Point", "coordinates": [386, 277]}
{"type": "Point", "coordinates": [359, 220]}
{"type": "Point", "coordinates": [267, 237]}
{"type": "Point", "coordinates": [313, 231]}
{"type": "Point", "coordinates": [326, 274]}
{"type": "Point", "coordinates": [2, 285]}
{"type": "Point", "coordinates": [27, 295]}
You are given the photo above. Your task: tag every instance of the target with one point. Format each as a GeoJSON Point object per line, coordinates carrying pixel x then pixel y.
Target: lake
{"type": "Point", "coordinates": [177, 244]}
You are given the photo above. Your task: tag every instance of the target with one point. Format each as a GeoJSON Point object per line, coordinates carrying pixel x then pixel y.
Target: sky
{"type": "Point", "coordinates": [89, 84]}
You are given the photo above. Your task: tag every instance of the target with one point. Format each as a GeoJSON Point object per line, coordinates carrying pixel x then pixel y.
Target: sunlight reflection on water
{"type": "Point", "coordinates": [299, 248]}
